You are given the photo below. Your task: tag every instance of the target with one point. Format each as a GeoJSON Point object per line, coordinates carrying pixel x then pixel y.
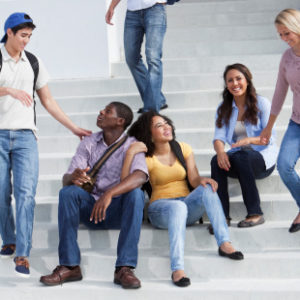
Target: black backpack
{"type": "Point", "coordinates": [171, 2]}
{"type": "Point", "coordinates": [35, 67]}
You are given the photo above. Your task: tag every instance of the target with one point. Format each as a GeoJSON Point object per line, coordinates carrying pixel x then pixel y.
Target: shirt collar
{"type": "Point", "coordinates": [7, 57]}
{"type": "Point", "coordinates": [99, 137]}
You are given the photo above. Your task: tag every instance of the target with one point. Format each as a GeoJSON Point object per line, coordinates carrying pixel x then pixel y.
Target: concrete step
{"type": "Point", "coordinates": [49, 185]}
{"type": "Point", "coordinates": [199, 8]}
{"type": "Point", "coordinates": [199, 264]}
{"type": "Point", "coordinates": [176, 100]}
{"type": "Point", "coordinates": [223, 33]}
{"type": "Point", "coordinates": [280, 207]}
{"type": "Point", "coordinates": [209, 289]}
{"type": "Point", "coordinates": [190, 118]}
{"type": "Point", "coordinates": [209, 64]}
{"type": "Point", "coordinates": [177, 49]}
{"type": "Point", "coordinates": [222, 19]}
{"type": "Point", "coordinates": [175, 82]}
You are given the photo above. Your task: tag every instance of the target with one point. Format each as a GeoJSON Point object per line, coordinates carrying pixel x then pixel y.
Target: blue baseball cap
{"type": "Point", "coordinates": [14, 20]}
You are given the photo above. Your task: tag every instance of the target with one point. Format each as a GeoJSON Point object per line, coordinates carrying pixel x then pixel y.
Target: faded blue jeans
{"type": "Point", "coordinates": [176, 214]}
{"type": "Point", "coordinates": [18, 157]}
{"type": "Point", "coordinates": [152, 23]}
{"type": "Point", "coordinates": [125, 212]}
{"type": "Point", "coordinates": [288, 156]}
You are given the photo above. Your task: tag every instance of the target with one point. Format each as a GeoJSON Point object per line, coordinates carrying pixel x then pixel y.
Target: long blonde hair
{"type": "Point", "coordinates": [290, 18]}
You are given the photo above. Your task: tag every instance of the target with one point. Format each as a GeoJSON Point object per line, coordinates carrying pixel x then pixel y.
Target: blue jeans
{"type": "Point", "coordinates": [246, 165]}
{"type": "Point", "coordinates": [152, 23]}
{"type": "Point", "coordinates": [288, 155]}
{"type": "Point", "coordinates": [125, 212]}
{"type": "Point", "coordinates": [175, 214]}
{"type": "Point", "coordinates": [19, 157]}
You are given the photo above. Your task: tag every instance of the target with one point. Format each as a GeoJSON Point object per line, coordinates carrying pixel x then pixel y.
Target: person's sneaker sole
{"type": "Point", "coordinates": [22, 274]}
{"type": "Point", "coordinates": [7, 256]}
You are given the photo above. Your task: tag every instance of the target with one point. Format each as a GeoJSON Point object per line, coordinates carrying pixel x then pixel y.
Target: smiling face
{"type": "Point", "coordinates": [236, 83]}
{"type": "Point", "coordinates": [288, 36]}
{"type": "Point", "coordinates": [18, 41]}
{"type": "Point", "coordinates": [161, 131]}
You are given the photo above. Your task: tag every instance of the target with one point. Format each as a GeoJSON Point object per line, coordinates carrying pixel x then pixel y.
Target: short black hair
{"type": "Point", "coordinates": [141, 129]}
{"type": "Point", "coordinates": [124, 112]}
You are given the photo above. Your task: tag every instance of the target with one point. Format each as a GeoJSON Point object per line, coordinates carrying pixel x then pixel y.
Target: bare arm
{"type": "Point", "coordinates": [222, 156]}
{"type": "Point", "coordinates": [110, 11]}
{"type": "Point", "coordinates": [53, 108]}
{"type": "Point", "coordinates": [255, 140]}
{"type": "Point", "coordinates": [265, 135]}
{"type": "Point", "coordinates": [193, 175]}
{"type": "Point", "coordinates": [133, 149]}
{"type": "Point", "coordinates": [20, 95]}
{"type": "Point", "coordinates": [134, 180]}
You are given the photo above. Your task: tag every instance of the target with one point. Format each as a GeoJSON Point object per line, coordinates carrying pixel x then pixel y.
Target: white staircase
{"type": "Point", "coordinates": [203, 37]}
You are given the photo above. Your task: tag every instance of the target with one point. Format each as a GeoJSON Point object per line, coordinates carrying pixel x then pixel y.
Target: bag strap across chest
{"type": "Point", "coordinates": [35, 67]}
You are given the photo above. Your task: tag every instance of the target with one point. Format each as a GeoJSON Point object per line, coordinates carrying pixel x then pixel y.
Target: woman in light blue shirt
{"type": "Point", "coordinates": [240, 119]}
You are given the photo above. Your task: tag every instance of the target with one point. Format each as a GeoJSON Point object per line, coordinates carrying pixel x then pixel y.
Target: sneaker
{"type": "Point", "coordinates": [22, 266]}
{"type": "Point", "coordinates": [8, 251]}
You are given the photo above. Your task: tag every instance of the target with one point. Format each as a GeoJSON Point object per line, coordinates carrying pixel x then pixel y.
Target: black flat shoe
{"type": "Point", "coordinates": [294, 228]}
{"type": "Point", "coordinates": [246, 224]}
{"type": "Point", "coordinates": [182, 282]}
{"type": "Point", "coordinates": [237, 255]}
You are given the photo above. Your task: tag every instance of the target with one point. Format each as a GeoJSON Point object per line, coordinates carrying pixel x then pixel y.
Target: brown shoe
{"type": "Point", "coordinates": [62, 274]}
{"type": "Point", "coordinates": [126, 278]}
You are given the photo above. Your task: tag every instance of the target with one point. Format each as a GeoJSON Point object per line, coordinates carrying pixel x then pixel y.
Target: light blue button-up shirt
{"type": "Point", "coordinates": [226, 132]}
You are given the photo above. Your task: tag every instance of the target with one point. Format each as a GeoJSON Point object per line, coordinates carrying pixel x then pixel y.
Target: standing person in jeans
{"type": "Point", "coordinates": [19, 79]}
{"type": "Point", "coordinates": [144, 18]}
{"type": "Point", "coordinates": [287, 24]}
{"type": "Point", "coordinates": [240, 119]}
{"type": "Point", "coordinates": [112, 204]}
{"type": "Point", "coordinates": [172, 205]}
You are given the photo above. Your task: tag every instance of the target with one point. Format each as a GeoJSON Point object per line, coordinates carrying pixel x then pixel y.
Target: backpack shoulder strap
{"type": "Point", "coordinates": [175, 146]}
{"type": "Point", "coordinates": [0, 61]}
{"type": "Point", "coordinates": [35, 67]}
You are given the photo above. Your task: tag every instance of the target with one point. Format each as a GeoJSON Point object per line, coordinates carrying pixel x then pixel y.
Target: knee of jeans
{"type": "Point", "coordinates": [178, 211]}
{"type": "Point", "coordinates": [132, 57]}
{"type": "Point", "coordinates": [66, 194]}
{"type": "Point", "coordinates": [283, 165]}
{"type": "Point", "coordinates": [214, 162]}
{"type": "Point", "coordinates": [153, 58]}
{"type": "Point", "coordinates": [209, 194]}
{"type": "Point", "coordinates": [136, 198]}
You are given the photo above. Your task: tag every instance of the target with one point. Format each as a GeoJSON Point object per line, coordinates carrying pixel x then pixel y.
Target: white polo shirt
{"type": "Point", "coordinates": [18, 75]}
{"type": "Point", "coordinates": [142, 4]}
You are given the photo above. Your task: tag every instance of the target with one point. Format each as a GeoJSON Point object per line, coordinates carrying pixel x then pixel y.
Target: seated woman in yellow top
{"type": "Point", "coordinates": [172, 205]}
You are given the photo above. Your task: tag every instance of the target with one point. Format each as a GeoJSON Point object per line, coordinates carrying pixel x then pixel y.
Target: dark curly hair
{"type": "Point", "coordinates": [225, 109]}
{"type": "Point", "coordinates": [141, 129]}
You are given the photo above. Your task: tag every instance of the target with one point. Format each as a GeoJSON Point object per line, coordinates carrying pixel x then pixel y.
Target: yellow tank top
{"type": "Point", "coordinates": [168, 181]}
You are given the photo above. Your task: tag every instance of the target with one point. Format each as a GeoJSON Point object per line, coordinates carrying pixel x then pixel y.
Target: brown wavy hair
{"type": "Point", "coordinates": [225, 109]}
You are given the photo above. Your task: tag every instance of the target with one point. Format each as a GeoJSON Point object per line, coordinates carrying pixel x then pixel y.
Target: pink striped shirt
{"type": "Point", "coordinates": [288, 75]}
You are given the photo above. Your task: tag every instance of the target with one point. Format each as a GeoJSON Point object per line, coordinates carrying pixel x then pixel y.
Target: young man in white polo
{"type": "Point", "coordinates": [21, 73]}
